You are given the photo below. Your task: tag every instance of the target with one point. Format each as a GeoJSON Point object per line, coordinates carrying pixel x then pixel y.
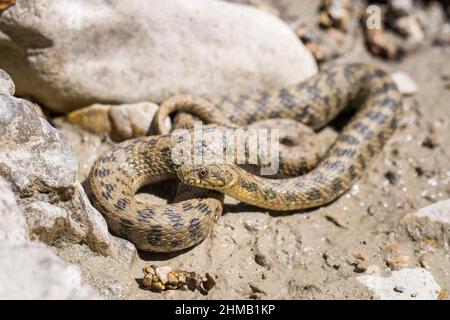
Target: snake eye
{"type": "Point", "coordinates": [202, 173]}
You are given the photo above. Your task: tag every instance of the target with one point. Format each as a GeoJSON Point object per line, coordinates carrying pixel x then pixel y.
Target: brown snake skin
{"type": "Point", "coordinates": [119, 173]}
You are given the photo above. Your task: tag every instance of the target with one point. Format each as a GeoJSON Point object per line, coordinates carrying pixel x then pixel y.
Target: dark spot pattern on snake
{"type": "Point", "coordinates": [154, 234]}
{"type": "Point", "coordinates": [348, 139]}
{"type": "Point", "coordinates": [145, 215]}
{"type": "Point", "coordinates": [121, 204]}
{"type": "Point", "coordinates": [342, 152]}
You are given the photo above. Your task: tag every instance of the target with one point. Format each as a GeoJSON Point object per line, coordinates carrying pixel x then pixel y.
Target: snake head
{"type": "Point", "coordinates": [211, 176]}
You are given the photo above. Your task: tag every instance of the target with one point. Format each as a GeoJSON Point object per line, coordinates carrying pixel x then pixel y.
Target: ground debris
{"type": "Point", "coordinates": [401, 28]}
{"type": "Point", "coordinates": [331, 35]}
{"type": "Point", "coordinates": [395, 259]}
{"type": "Point", "coordinates": [165, 278]}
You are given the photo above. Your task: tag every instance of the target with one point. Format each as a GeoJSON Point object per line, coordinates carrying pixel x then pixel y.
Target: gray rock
{"type": "Point", "coordinates": [29, 270]}
{"type": "Point", "coordinates": [6, 84]}
{"type": "Point", "coordinates": [91, 221]}
{"type": "Point", "coordinates": [81, 52]}
{"type": "Point", "coordinates": [32, 271]}
{"type": "Point", "coordinates": [123, 250]}
{"type": "Point", "coordinates": [80, 221]}
{"type": "Point", "coordinates": [414, 283]}
{"type": "Point", "coordinates": [72, 221]}
{"type": "Point", "coordinates": [41, 166]}
{"type": "Point", "coordinates": [13, 227]}
{"type": "Point", "coordinates": [120, 122]}
{"type": "Point", "coordinates": [131, 120]}
{"type": "Point", "coordinates": [47, 222]}
{"type": "Point", "coordinates": [33, 155]}
{"type": "Point", "coordinates": [437, 212]}
{"type": "Point", "coordinates": [430, 222]}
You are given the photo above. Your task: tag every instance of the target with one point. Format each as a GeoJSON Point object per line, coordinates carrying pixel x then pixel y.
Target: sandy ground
{"type": "Point", "coordinates": [318, 253]}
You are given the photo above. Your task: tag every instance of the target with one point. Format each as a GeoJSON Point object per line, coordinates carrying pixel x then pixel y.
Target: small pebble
{"type": "Point", "coordinates": [399, 289]}
{"type": "Point", "coordinates": [405, 84]}
{"type": "Point", "coordinates": [162, 273]}
{"type": "Point", "coordinates": [361, 266]}
{"type": "Point", "coordinates": [147, 280]}
{"type": "Point", "coordinates": [425, 264]}
{"type": "Point", "coordinates": [392, 177]}
{"type": "Point", "coordinates": [261, 260]}
{"type": "Point", "coordinates": [149, 270]}
{"type": "Point", "coordinates": [372, 210]}
{"type": "Point", "coordinates": [252, 225]}
{"type": "Point", "coordinates": [157, 286]}
{"type": "Point", "coordinates": [208, 283]}
{"type": "Point", "coordinates": [172, 278]}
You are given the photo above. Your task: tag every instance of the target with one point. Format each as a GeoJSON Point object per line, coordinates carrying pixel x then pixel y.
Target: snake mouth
{"type": "Point", "coordinates": [187, 175]}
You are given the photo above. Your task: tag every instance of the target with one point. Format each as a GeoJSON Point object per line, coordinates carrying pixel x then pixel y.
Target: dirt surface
{"type": "Point", "coordinates": [319, 253]}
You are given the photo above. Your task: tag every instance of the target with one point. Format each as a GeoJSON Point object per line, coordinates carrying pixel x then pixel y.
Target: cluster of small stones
{"type": "Point", "coordinates": [165, 278]}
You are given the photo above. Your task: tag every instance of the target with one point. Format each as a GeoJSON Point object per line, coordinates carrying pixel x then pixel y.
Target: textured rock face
{"type": "Point", "coordinates": [29, 270]}
{"type": "Point", "coordinates": [41, 167]}
{"type": "Point", "coordinates": [33, 154]}
{"type": "Point", "coordinates": [159, 48]}
{"type": "Point", "coordinates": [33, 271]}
{"type": "Point", "coordinates": [13, 227]}
{"type": "Point", "coordinates": [430, 223]}
{"type": "Point", "coordinates": [6, 84]}
{"type": "Point", "coordinates": [41, 199]}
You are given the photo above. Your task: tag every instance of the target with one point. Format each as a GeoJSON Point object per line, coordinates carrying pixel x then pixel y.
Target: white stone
{"type": "Point", "coordinates": [97, 234]}
{"type": "Point", "coordinates": [88, 51]}
{"type": "Point", "coordinates": [33, 154]}
{"type": "Point", "coordinates": [430, 223]}
{"type": "Point", "coordinates": [405, 84]}
{"type": "Point", "coordinates": [6, 84]}
{"type": "Point", "coordinates": [162, 273]}
{"type": "Point", "coordinates": [33, 271]}
{"type": "Point", "coordinates": [415, 284]}
{"type": "Point", "coordinates": [44, 215]}
{"type": "Point", "coordinates": [123, 250]}
{"type": "Point", "coordinates": [437, 212]}
{"type": "Point", "coordinates": [120, 122]}
{"type": "Point", "coordinates": [13, 227]}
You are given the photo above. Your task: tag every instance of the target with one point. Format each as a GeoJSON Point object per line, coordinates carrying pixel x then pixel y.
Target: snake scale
{"type": "Point", "coordinates": [119, 173]}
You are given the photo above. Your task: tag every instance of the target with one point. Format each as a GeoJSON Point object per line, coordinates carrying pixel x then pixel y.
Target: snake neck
{"type": "Point", "coordinates": [378, 103]}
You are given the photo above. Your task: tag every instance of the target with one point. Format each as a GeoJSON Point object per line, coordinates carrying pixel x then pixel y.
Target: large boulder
{"type": "Point", "coordinates": [74, 53]}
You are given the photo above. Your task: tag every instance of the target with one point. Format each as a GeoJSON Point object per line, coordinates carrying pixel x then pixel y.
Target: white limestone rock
{"type": "Point", "coordinates": [13, 227]}
{"type": "Point", "coordinates": [406, 284]}
{"type": "Point", "coordinates": [33, 271]}
{"type": "Point", "coordinates": [430, 222]}
{"type": "Point", "coordinates": [76, 53]}
{"type": "Point", "coordinates": [6, 84]}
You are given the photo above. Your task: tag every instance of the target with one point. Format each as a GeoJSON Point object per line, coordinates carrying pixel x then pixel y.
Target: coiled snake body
{"type": "Point", "coordinates": [120, 172]}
